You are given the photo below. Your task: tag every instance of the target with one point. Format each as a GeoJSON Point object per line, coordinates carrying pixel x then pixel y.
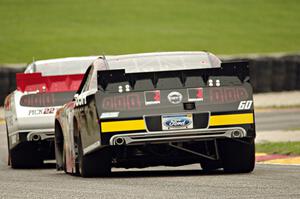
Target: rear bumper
{"type": "Point", "coordinates": [36, 135]}
{"type": "Point", "coordinates": [18, 137]}
{"type": "Point", "coordinates": [173, 136]}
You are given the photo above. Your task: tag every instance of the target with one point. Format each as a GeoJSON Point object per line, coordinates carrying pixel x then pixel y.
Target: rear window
{"type": "Point", "coordinates": [60, 67]}
{"type": "Point", "coordinates": [164, 62]}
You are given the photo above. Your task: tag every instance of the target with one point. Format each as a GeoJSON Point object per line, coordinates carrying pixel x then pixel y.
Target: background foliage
{"type": "Point", "coordinates": [59, 28]}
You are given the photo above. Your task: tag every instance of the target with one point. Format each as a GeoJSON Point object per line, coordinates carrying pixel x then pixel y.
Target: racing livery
{"type": "Point", "coordinates": [29, 111]}
{"type": "Point", "coordinates": [154, 109]}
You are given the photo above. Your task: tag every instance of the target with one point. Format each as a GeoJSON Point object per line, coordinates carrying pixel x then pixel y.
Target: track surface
{"type": "Point", "coordinates": [267, 181]}
{"type": "Point", "coordinates": [285, 119]}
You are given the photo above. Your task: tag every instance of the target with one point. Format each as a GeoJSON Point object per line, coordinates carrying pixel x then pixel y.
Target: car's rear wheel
{"type": "Point", "coordinates": [25, 157]}
{"type": "Point", "coordinates": [238, 156]}
{"type": "Point", "coordinates": [8, 147]}
{"type": "Point", "coordinates": [210, 165]}
{"type": "Point", "coordinates": [95, 164]}
{"type": "Point", "coordinates": [64, 159]}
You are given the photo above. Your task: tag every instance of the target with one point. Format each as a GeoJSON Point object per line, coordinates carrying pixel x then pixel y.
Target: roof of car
{"type": "Point", "coordinates": [47, 61]}
{"type": "Point", "coordinates": [152, 54]}
{"type": "Point", "coordinates": [163, 61]}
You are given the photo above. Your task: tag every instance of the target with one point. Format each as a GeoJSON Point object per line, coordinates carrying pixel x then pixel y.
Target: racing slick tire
{"type": "Point", "coordinates": [238, 156]}
{"type": "Point", "coordinates": [64, 163]}
{"type": "Point", "coordinates": [97, 164]}
{"type": "Point", "coordinates": [25, 157]}
{"type": "Point", "coordinates": [8, 148]}
{"type": "Point", "coordinates": [210, 165]}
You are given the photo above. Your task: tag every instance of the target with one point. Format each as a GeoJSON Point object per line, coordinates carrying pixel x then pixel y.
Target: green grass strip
{"type": "Point", "coordinates": [58, 28]}
{"type": "Point", "coordinates": [285, 148]}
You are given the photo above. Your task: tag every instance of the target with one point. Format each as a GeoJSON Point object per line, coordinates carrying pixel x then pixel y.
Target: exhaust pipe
{"type": "Point", "coordinates": [120, 141]}
{"type": "Point", "coordinates": [36, 137]}
{"type": "Point", "coordinates": [236, 134]}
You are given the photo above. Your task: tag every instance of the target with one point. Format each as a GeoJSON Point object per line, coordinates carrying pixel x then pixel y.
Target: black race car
{"type": "Point", "coordinates": [154, 109]}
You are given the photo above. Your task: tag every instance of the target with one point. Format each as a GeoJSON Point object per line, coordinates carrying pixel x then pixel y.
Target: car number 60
{"type": "Point", "coordinates": [245, 105]}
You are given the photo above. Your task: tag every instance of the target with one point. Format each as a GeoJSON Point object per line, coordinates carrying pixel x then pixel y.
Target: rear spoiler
{"type": "Point", "coordinates": [35, 82]}
{"type": "Point", "coordinates": [239, 69]}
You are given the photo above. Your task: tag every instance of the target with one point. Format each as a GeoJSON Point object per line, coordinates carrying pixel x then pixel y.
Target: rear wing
{"type": "Point", "coordinates": [35, 82]}
{"type": "Point", "coordinates": [230, 73]}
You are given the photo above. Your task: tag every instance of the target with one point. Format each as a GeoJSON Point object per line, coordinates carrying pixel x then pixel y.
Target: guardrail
{"type": "Point", "coordinates": [268, 73]}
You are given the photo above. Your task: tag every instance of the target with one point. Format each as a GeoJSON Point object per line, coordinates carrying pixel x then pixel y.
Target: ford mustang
{"type": "Point", "coordinates": [29, 111]}
{"type": "Point", "coordinates": [151, 109]}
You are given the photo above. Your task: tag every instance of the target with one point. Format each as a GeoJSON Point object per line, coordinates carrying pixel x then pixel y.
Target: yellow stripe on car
{"type": "Point", "coordinates": [139, 125]}
{"type": "Point", "coordinates": [127, 125]}
{"type": "Point", "coordinates": [231, 119]}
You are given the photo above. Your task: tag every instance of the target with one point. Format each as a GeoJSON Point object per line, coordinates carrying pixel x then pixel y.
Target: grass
{"type": "Point", "coordinates": [294, 129]}
{"type": "Point", "coordinates": [58, 28]}
{"type": "Point", "coordinates": [285, 148]}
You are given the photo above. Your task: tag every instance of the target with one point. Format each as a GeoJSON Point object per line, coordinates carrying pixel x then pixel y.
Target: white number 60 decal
{"type": "Point", "coordinates": [245, 105]}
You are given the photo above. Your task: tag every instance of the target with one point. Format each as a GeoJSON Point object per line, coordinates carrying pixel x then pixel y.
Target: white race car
{"type": "Point", "coordinates": [29, 111]}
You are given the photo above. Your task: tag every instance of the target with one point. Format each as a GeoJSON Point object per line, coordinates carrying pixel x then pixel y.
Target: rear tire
{"type": "Point", "coordinates": [210, 165]}
{"type": "Point", "coordinates": [64, 160]}
{"type": "Point", "coordinates": [25, 157]}
{"type": "Point", "coordinates": [237, 157]}
{"type": "Point", "coordinates": [96, 164]}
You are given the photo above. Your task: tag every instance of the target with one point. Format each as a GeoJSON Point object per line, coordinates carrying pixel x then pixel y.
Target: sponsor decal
{"type": "Point", "coordinates": [175, 97]}
{"type": "Point", "coordinates": [122, 102]}
{"type": "Point", "coordinates": [152, 97]}
{"type": "Point", "coordinates": [195, 94]}
{"type": "Point", "coordinates": [220, 95]}
{"type": "Point", "coordinates": [109, 115]}
{"type": "Point", "coordinates": [80, 100]}
{"type": "Point", "coordinates": [44, 111]}
{"type": "Point", "coordinates": [177, 122]}
{"type": "Point", "coordinates": [46, 99]}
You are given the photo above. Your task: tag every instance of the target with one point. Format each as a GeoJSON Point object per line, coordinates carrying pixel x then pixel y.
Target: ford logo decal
{"type": "Point", "coordinates": [175, 97]}
{"type": "Point", "coordinates": [177, 122]}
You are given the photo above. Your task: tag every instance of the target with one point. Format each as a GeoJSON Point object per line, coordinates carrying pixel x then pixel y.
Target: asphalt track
{"type": "Point", "coordinates": [282, 119]}
{"type": "Point", "coordinates": [267, 180]}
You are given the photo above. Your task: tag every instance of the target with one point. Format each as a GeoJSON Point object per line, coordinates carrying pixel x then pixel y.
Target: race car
{"type": "Point", "coordinates": [172, 108]}
{"type": "Point", "coordinates": [29, 111]}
